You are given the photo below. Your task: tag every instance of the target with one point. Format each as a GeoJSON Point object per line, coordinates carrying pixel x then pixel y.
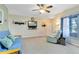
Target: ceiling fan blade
{"type": "Point", "coordinates": [38, 5]}
{"type": "Point", "coordinates": [47, 11]}
{"type": "Point", "coordinates": [42, 5]}
{"type": "Point", "coordinates": [49, 6]}
{"type": "Point", "coordinates": [35, 9]}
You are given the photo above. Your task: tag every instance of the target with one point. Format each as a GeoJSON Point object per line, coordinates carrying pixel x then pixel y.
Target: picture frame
{"type": "Point", "coordinates": [1, 16]}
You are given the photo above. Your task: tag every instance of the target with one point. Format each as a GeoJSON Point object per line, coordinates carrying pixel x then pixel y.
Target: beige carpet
{"type": "Point", "coordinates": [41, 46]}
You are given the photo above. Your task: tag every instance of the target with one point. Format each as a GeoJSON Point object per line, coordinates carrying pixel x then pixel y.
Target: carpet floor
{"type": "Point", "coordinates": [40, 45]}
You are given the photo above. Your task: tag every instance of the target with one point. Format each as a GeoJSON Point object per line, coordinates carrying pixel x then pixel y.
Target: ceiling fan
{"type": "Point", "coordinates": [43, 8]}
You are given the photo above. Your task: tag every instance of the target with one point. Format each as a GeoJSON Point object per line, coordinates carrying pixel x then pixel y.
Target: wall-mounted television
{"type": "Point", "coordinates": [32, 24]}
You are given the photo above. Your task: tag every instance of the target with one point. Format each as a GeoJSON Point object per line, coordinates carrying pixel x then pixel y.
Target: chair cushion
{"type": "Point", "coordinates": [16, 44]}
{"type": "Point", "coordinates": [6, 42]}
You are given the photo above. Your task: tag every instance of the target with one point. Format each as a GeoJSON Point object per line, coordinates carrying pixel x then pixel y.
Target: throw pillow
{"type": "Point", "coordinates": [6, 42]}
{"type": "Point", "coordinates": [11, 37]}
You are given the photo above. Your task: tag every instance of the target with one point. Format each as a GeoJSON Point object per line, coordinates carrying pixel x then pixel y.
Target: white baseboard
{"type": "Point", "coordinates": [34, 37]}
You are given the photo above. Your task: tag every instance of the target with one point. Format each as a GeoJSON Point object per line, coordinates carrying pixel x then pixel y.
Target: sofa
{"type": "Point", "coordinates": [16, 46]}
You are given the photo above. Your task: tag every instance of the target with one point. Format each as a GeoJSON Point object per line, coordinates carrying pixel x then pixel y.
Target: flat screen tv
{"type": "Point", "coordinates": [32, 24]}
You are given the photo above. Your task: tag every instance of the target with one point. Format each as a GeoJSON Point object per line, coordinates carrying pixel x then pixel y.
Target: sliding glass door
{"type": "Point", "coordinates": [65, 28]}
{"type": "Point", "coordinates": [70, 26]}
{"type": "Point", "coordinates": [73, 26]}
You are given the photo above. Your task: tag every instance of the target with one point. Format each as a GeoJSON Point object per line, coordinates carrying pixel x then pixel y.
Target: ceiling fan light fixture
{"type": "Point", "coordinates": [42, 11]}
{"type": "Point", "coordinates": [43, 8]}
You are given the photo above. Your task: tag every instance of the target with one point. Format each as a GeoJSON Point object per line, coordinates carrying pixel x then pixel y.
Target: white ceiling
{"type": "Point", "coordinates": [26, 9]}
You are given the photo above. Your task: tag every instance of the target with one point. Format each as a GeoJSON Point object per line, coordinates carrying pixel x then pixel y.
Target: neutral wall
{"type": "Point", "coordinates": [53, 25]}
{"type": "Point", "coordinates": [23, 29]}
{"type": "Point", "coordinates": [4, 26]}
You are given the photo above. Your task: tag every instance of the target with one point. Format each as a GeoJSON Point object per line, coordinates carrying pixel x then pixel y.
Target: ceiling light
{"type": "Point", "coordinates": [43, 8]}
{"type": "Point", "coordinates": [42, 11]}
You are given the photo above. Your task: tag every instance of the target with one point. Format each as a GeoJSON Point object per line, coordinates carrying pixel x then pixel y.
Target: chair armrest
{"type": "Point", "coordinates": [17, 36]}
{"type": "Point", "coordinates": [51, 39]}
{"type": "Point", "coordinates": [52, 36]}
{"type": "Point", "coordinates": [10, 51]}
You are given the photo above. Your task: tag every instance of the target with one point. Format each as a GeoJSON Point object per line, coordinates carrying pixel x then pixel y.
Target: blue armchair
{"type": "Point", "coordinates": [54, 37]}
{"type": "Point", "coordinates": [15, 47]}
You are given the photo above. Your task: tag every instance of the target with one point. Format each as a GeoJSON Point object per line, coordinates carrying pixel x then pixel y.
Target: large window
{"type": "Point", "coordinates": [73, 26]}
